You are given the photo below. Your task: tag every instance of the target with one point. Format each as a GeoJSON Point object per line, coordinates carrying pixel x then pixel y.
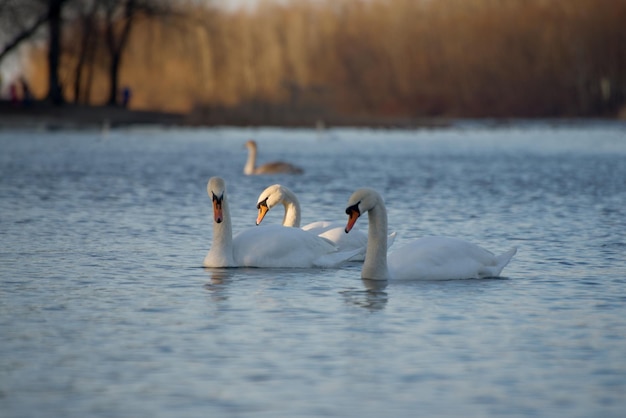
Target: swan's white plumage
{"type": "Point", "coordinates": [335, 232]}
{"type": "Point", "coordinates": [280, 246]}
{"type": "Point", "coordinates": [275, 167]}
{"type": "Point", "coordinates": [428, 258]}
{"type": "Point", "coordinates": [444, 258]}
{"type": "Point", "coordinates": [266, 246]}
{"type": "Point", "coordinates": [277, 194]}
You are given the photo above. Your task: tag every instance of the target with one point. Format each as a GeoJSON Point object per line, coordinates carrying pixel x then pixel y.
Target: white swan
{"type": "Point", "coordinates": [276, 167]}
{"type": "Point", "coordinates": [334, 231]}
{"type": "Point", "coordinates": [429, 258]}
{"type": "Point", "coordinates": [264, 246]}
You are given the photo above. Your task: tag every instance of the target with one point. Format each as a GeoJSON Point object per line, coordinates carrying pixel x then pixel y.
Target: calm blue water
{"type": "Point", "coordinates": [106, 312]}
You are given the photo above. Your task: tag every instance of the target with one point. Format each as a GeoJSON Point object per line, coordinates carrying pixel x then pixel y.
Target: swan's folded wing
{"type": "Point", "coordinates": [442, 258]}
{"type": "Point", "coordinates": [279, 246]}
{"type": "Point", "coordinates": [355, 241]}
{"type": "Point", "coordinates": [319, 227]}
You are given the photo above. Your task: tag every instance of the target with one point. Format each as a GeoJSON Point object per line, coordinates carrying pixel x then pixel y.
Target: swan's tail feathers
{"type": "Point", "coordinates": [336, 259]}
{"type": "Point", "coordinates": [503, 259]}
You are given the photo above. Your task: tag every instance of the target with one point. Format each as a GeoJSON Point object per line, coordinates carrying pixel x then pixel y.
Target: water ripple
{"type": "Point", "coordinates": [105, 310]}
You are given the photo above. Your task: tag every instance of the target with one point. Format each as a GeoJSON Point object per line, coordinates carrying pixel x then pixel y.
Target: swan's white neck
{"type": "Point", "coordinates": [222, 247]}
{"type": "Point", "coordinates": [375, 264]}
{"type": "Point", "coordinates": [292, 209]}
{"type": "Point", "coordinates": [251, 162]}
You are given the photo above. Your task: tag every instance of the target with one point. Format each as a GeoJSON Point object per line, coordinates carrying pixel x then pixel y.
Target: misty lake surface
{"type": "Point", "coordinates": [105, 310]}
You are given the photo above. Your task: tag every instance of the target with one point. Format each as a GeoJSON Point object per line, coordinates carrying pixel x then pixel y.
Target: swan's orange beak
{"type": "Point", "coordinates": [218, 216]}
{"type": "Point", "coordinates": [262, 212]}
{"type": "Point", "coordinates": [353, 214]}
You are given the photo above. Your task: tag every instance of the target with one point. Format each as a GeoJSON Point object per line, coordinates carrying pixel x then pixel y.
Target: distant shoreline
{"type": "Point", "coordinates": [43, 116]}
{"type": "Point", "coordinates": [69, 116]}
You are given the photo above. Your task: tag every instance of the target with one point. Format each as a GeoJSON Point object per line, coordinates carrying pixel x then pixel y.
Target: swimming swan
{"type": "Point", "coordinates": [264, 246]}
{"type": "Point", "coordinates": [429, 258]}
{"type": "Point", "coordinates": [334, 231]}
{"type": "Point", "coordinates": [277, 167]}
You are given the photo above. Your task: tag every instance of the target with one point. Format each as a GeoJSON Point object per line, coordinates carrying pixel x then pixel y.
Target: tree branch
{"type": "Point", "coordinates": [27, 33]}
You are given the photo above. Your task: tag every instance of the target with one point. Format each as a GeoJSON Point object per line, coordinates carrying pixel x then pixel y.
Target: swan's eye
{"type": "Point", "coordinates": [354, 208]}
{"type": "Point", "coordinates": [262, 203]}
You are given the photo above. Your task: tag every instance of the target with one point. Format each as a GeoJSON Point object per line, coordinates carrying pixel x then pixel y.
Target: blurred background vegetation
{"type": "Point", "coordinates": [355, 58]}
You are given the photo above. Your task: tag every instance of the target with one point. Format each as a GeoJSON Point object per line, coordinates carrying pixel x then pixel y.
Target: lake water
{"type": "Point", "coordinates": [105, 310]}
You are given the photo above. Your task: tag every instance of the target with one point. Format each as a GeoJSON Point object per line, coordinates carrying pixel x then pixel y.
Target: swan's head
{"type": "Point", "coordinates": [216, 188]}
{"type": "Point", "coordinates": [270, 197]}
{"type": "Point", "coordinates": [251, 144]}
{"type": "Point", "coordinates": [361, 201]}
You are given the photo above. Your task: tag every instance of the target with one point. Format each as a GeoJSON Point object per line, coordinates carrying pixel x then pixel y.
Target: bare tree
{"type": "Point", "coordinates": [23, 19]}
{"type": "Point", "coordinates": [87, 19]}
{"type": "Point", "coordinates": [55, 92]}
{"type": "Point", "coordinates": [120, 17]}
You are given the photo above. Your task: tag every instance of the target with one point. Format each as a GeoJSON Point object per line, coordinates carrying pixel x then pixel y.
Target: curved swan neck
{"type": "Point", "coordinates": [292, 209]}
{"type": "Point", "coordinates": [251, 162]}
{"type": "Point", "coordinates": [375, 264]}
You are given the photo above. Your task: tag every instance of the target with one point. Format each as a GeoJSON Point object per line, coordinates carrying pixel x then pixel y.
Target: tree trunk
{"type": "Point", "coordinates": [114, 77]}
{"type": "Point", "coordinates": [116, 46]}
{"type": "Point", "coordinates": [86, 92]}
{"type": "Point", "coordinates": [85, 53]}
{"type": "Point", "coordinates": [55, 93]}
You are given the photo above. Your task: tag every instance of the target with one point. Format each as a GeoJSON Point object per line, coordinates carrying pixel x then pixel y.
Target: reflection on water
{"type": "Point", "coordinates": [373, 298]}
{"type": "Point", "coordinates": [219, 280]}
{"type": "Point", "coordinates": [218, 275]}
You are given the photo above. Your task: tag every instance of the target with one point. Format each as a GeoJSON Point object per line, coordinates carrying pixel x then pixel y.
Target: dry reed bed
{"type": "Point", "coordinates": [376, 57]}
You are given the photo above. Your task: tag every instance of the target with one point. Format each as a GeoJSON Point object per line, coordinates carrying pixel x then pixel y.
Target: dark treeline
{"type": "Point", "coordinates": [82, 31]}
{"type": "Point", "coordinates": [397, 58]}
